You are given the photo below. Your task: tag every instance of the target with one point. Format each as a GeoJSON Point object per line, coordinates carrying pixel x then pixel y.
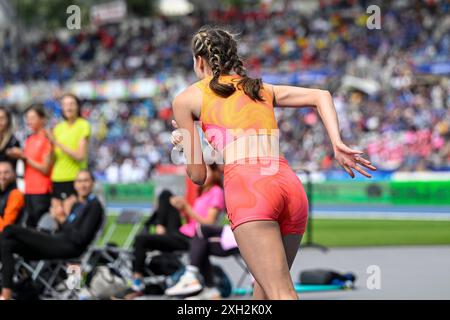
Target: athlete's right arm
{"type": "Point", "coordinates": [183, 106]}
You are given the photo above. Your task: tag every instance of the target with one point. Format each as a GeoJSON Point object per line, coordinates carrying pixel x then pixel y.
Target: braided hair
{"type": "Point", "coordinates": [219, 48]}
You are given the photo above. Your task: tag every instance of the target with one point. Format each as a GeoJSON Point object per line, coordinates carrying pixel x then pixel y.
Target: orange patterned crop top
{"type": "Point", "coordinates": [226, 119]}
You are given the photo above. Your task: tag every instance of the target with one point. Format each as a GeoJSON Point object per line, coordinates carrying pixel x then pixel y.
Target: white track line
{"type": "Point", "coordinates": [324, 214]}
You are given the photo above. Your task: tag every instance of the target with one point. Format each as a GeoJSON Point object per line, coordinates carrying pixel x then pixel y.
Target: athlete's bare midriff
{"type": "Point", "coordinates": [251, 146]}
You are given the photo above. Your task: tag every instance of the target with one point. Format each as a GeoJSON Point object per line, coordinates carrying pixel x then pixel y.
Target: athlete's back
{"type": "Point", "coordinates": [225, 119]}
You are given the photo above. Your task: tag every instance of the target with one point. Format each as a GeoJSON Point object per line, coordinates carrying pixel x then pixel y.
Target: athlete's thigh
{"type": "Point", "coordinates": [261, 245]}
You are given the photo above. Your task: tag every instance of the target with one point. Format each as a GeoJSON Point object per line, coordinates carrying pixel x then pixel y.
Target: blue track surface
{"type": "Point", "coordinates": [342, 211]}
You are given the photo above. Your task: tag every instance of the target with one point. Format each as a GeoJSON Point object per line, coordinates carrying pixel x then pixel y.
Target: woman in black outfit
{"type": "Point", "coordinates": [167, 236]}
{"type": "Point", "coordinates": [166, 221]}
{"type": "Point", "coordinates": [76, 232]}
{"type": "Point", "coordinates": [7, 139]}
{"type": "Point", "coordinates": [165, 218]}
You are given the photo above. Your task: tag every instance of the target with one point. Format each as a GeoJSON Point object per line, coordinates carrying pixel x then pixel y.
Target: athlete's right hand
{"type": "Point", "coordinates": [176, 137]}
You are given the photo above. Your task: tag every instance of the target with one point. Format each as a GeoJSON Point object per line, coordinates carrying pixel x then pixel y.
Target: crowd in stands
{"type": "Point", "coordinates": [401, 126]}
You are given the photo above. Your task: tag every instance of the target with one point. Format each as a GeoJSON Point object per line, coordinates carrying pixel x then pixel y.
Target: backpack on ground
{"type": "Point", "coordinates": [106, 283]}
{"type": "Point", "coordinates": [166, 263]}
{"type": "Point", "coordinates": [323, 276]}
{"type": "Point", "coordinates": [222, 281]}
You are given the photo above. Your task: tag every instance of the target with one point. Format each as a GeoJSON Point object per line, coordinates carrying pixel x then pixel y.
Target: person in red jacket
{"type": "Point", "coordinates": [11, 199]}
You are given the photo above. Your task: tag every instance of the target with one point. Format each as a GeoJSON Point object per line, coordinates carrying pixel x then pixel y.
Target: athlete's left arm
{"type": "Point", "coordinates": [290, 96]}
{"type": "Point", "coordinates": [183, 106]}
{"type": "Point", "coordinates": [298, 97]}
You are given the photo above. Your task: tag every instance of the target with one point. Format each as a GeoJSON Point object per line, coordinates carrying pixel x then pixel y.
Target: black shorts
{"type": "Point", "coordinates": [36, 205]}
{"type": "Point", "coordinates": [63, 190]}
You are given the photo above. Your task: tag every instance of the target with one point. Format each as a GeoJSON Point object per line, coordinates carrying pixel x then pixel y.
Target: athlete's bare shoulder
{"type": "Point", "coordinates": [190, 98]}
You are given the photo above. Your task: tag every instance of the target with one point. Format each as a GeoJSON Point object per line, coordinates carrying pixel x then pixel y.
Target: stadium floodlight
{"type": "Point", "coordinates": [175, 7]}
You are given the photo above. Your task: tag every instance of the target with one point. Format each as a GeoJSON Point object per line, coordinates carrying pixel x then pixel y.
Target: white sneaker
{"type": "Point", "coordinates": [188, 284]}
{"type": "Point", "coordinates": [207, 294]}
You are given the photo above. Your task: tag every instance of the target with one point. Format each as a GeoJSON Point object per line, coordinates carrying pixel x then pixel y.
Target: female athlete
{"type": "Point", "coordinates": [265, 200]}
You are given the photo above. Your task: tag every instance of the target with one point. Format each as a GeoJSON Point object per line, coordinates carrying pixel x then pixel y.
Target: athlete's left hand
{"type": "Point", "coordinates": [349, 159]}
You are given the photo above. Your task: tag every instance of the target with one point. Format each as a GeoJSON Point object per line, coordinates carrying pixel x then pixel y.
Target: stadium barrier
{"type": "Point", "coordinates": [399, 189]}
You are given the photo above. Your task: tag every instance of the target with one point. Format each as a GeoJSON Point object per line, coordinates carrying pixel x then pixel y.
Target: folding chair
{"type": "Point", "coordinates": [50, 273]}
{"type": "Point", "coordinates": [126, 217]}
{"type": "Point", "coordinates": [119, 258]}
{"type": "Point", "coordinates": [47, 273]}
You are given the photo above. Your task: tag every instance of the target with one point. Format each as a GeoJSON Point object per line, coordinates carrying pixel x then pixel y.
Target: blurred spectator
{"type": "Point", "coordinates": [11, 199]}
{"type": "Point", "coordinates": [37, 155]}
{"type": "Point", "coordinates": [7, 138]}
